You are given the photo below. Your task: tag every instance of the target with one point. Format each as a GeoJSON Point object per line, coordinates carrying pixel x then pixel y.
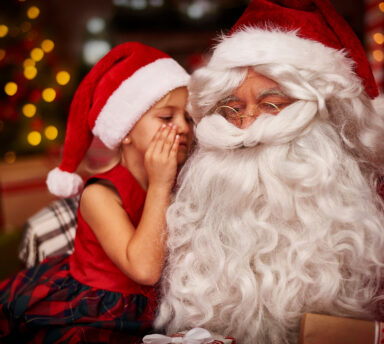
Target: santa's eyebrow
{"type": "Point", "coordinates": [227, 99]}
{"type": "Point", "coordinates": [271, 92]}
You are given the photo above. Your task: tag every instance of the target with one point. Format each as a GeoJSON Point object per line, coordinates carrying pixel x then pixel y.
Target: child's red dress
{"type": "Point", "coordinates": [82, 298]}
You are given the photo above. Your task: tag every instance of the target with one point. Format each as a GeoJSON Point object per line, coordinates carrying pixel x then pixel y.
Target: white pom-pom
{"type": "Point", "coordinates": [64, 184]}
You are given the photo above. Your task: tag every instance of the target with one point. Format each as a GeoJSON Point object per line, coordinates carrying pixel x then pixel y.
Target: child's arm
{"type": "Point", "coordinates": [139, 252]}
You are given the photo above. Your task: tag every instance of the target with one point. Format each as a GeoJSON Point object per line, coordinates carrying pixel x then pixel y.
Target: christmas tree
{"type": "Point", "coordinates": [35, 88]}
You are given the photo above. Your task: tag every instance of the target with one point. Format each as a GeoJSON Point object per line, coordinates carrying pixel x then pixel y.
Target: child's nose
{"type": "Point", "coordinates": [182, 125]}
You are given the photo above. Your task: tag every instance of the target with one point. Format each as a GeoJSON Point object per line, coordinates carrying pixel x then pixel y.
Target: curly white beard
{"type": "Point", "coordinates": [261, 234]}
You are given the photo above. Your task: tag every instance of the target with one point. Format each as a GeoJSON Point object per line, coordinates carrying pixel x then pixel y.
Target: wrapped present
{"type": "Point", "coordinates": [320, 329]}
{"type": "Point", "coordinates": [195, 336]}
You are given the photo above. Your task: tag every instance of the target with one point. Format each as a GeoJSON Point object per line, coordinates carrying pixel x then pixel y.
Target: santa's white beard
{"type": "Point", "coordinates": [260, 235]}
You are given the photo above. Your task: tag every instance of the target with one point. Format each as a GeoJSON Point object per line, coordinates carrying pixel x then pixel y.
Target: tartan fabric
{"type": "Point", "coordinates": [45, 304]}
{"type": "Point", "coordinates": [49, 232]}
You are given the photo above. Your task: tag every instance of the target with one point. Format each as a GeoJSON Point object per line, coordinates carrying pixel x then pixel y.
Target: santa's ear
{"type": "Point", "coordinates": [126, 140]}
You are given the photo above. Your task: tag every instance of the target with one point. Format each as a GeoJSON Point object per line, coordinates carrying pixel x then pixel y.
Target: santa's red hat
{"type": "Point", "coordinates": [307, 34]}
{"type": "Point", "coordinates": [112, 97]}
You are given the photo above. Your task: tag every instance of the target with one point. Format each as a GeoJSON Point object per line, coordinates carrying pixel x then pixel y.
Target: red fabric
{"type": "Point", "coordinates": [316, 20]}
{"type": "Point", "coordinates": [89, 264]}
{"type": "Point", "coordinates": [45, 304]}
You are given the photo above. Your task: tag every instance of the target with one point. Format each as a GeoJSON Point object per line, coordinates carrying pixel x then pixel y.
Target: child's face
{"type": "Point", "coordinates": [170, 109]}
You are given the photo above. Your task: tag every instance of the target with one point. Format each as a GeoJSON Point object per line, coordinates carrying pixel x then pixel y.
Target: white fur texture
{"type": "Point", "coordinates": [279, 219]}
{"type": "Point", "coordinates": [255, 46]}
{"type": "Point", "coordinates": [64, 184]}
{"type": "Point", "coordinates": [135, 96]}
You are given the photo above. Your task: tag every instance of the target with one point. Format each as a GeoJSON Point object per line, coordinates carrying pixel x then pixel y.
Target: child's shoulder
{"type": "Point", "coordinates": [98, 194]}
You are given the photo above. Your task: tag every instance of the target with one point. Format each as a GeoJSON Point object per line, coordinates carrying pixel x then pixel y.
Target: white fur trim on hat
{"type": "Point", "coordinates": [254, 46]}
{"type": "Point", "coordinates": [135, 96]}
{"type": "Point", "coordinates": [64, 184]}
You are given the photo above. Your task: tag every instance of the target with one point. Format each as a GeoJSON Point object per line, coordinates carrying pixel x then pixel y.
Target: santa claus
{"type": "Point", "coordinates": [277, 211]}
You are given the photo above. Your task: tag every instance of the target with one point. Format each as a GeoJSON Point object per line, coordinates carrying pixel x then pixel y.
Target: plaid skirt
{"type": "Point", "coordinates": [45, 304]}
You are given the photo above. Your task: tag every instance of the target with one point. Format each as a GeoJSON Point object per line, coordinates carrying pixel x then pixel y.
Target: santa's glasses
{"type": "Point", "coordinates": [231, 113]}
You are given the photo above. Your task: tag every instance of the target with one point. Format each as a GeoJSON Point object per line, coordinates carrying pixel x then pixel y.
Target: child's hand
{"type": "Point", "coordinates": [160, 159]}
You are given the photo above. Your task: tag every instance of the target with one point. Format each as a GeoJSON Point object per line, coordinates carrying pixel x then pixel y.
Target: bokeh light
{"type": "Point", "coordinates": [30, 72]}
{"type": "Point", "coordinates": [2, 54]}
{"type": "Point", "coordinates": [28, 62]}
{"type": "Point", "coordinates": [3, 30]}
{"type": "Point", "coordinates": [29, 110]}
{"type": "Point", "coordinates": [63, 77]}
{"type": "Point", "coordinates": [47, 45]}
{"type": "Point", "coordinates": [381, 6]}
{"type": "Point", "coordinates": [51, 132]}
{"type": "Point", "coordinates": [37, 54]}
{"type": "Point", "coordinates": [49, 94]}
{"type": "Point", "coordinates": [378, 55]}
{"type": "Point", "coordinates": [34, 138]}
{"type": "Point", "coordinates": [378, 37]}
{"type": "Point", "coordinates": [10, 88]}
{"type": "Point", "coordinates": [33, 12]}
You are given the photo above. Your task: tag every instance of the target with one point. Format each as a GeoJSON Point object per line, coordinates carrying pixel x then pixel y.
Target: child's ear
{"type": "Point", "coordinates": [127, 140]}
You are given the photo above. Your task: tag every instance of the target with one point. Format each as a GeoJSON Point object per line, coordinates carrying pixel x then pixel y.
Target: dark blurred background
{"type": "Point", "coordinates": [46, 47]}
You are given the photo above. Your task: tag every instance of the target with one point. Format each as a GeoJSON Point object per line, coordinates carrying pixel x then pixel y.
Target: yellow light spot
{"type": "Point", "coordinates": [25, 26]}
{"type": "Point", "coordinates": [30, 72]}
{"type": "Point", "coordinates": [10, 88]}
{"type": "Point", "coordinates": [381, 6]}
{"type": "Point", "coordinates": [29, 110]}
{"type": "Point", "coordinates": [28, 63]}
{"type": "Point", "coordinates": [63, 77]}
{"type": "Point", "coordinates": [51, 132]}
{"type": "Point", "coordinates": [33, 12]}
{"type": "Point", "coordinates": [37, 54]}
{"type": "Point", "coordinates": [49, 95]}
{"type": "Point", "coordinates": [378, 55]}
{"type": "Point", "coordinates": [10, 157]}
{"type": "Point", "coordinates": [34, 138]}
{"type": "Point", "coordinates": [2, 54]}
{"type": "Point", "coordinates": [47, 45]}
{"type": "Point", "coordinates": [3, 30]}
{"type": "Point", "coordinates": [378, 37]}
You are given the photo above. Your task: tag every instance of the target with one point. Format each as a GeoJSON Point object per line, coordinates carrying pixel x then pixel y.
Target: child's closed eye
{"type": "Point", "coordinates": [166, 118]}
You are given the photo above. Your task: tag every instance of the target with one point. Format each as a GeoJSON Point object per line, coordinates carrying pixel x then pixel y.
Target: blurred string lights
{"type": "Point", "coordinates": [32, 83]}
{"type": "Point", "coordinates": [374, 38]}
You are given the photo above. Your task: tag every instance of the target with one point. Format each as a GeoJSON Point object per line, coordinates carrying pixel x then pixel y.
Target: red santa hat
{"type": "Point", "coordinates": [307, 34]}
{"type": "Point", "coordinates": [112, 97]}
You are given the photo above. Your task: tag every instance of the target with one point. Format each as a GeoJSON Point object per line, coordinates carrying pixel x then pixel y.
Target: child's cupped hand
{"type": "Point", "coordinates": [160, 159]}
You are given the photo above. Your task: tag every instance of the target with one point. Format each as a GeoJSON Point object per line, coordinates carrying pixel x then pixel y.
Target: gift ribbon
{"type": "Point", "coordinates": [195, 336]}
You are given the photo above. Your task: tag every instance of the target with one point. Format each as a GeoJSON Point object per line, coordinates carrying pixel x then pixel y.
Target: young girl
{"type": "Point", "coordinates": [133, 98]}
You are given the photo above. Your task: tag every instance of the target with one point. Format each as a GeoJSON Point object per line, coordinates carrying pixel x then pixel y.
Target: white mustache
{"type": "Point", "coordinates": [215, 131]}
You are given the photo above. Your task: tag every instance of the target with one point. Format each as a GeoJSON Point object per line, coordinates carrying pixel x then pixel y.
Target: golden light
{"type": "Point", "coordinates": [378, 37]}
{"type": "Point", "coordinates": [10, 88]}
{"type": "Point", "coordinates": [49, 94]}
{"type": "Point", "coordinates": [33, 12]}
{"type": "Point", "coordinates": [47, 45]}
{"type": "Point", "coordinates": [51, 132]}
{"type": "Point", "coordinates": [37, 54]}
{"type": "Point", "coordinates": [30, 72]}
{"type": "Point", "coordinates": [29, 110]}
{"type": "Point", "coordinates": [28, 63]}
{"type": "Point", "coordinates": [2, 54]}
{"type": "Point", "coordinates": [3, 30]}
{"type": "Point", "coordinates": [378, 55]}
{"type": "Point", "coordinates": [34, 138]}
{"type": "Point", "coordinates": [10, 157]}
{"type": "Point", "coordinates": [381, 6]}
{"type": "Point", "coordinates": [63, 77]}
